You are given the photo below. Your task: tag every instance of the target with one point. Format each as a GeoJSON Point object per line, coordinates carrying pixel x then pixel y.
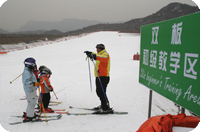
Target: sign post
{"type": "Point", "coordinates": [169, 60]}
{"type": "Point", "coordinates": [150, 102]}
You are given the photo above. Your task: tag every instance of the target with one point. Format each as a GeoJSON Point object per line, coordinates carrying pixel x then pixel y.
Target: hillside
{"type": "Point", "coordinates": [3, 31]}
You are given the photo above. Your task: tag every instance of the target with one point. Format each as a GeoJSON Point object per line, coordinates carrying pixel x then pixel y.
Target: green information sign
{"type": "Point", "coordinates": [169, 60]}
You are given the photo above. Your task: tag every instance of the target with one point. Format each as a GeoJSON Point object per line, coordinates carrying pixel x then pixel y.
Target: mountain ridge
{"type": "Point", "coordinates": [172, 10]}
{"type": "Point", "coordinates": [64, 25]}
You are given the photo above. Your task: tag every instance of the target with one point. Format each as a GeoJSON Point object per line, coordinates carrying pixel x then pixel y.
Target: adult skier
{"type": "Point", "coordinates": [102, 69]}
{"type": "Point", "coordinates": [30, 86]}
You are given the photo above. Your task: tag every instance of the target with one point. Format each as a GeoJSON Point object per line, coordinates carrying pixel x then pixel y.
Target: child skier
{"type": "Point", "coordinates": [30, 86]}
{"type": "Point", "coordinates": [46, 87]}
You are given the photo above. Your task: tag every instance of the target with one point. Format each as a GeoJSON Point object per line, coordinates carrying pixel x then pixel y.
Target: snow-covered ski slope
{"type": "Point", "coordinates": [71, 83]}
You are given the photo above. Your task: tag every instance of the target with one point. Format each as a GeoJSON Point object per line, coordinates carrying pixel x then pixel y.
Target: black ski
{"type": "Point", "coordinates": [80, 114]}
{"type": "Point", "coordinates": [118, 113]}
{"type": "Point", "coordinates": [93, 113]}
{"type": "Point", "coordinates": [81, 108]}
{"type": "Point", "coordinates": [37, 120]}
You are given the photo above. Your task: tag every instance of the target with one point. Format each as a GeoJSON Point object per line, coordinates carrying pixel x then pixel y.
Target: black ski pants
{"type": "Point", "coordinates": [46, 99]}
{"type": "Point", "coordinates": [101, 92]}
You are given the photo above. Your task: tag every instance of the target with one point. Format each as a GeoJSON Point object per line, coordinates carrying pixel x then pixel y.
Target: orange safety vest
{"type": "Point", "coordinates": [45, 83]}
{"type": "Point", "coordinates": [102, 64]}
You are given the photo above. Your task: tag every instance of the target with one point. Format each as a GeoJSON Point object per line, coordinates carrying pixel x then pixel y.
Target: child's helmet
{"type": "Point", "coordinates": [46, 70]}
{"type": "Point", "coordinates": [30, 63]}
{"type": "Point", "coordinates": [41, 68]}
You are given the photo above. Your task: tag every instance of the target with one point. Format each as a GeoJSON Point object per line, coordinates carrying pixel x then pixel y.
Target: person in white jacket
{"type": "Point", "coordinates": [30, 86]}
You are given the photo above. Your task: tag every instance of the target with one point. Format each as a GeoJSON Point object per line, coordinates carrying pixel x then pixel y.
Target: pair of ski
{"type": "Point", "coordinates": [40, 119]}
{"type": "Point", "coordinates": [93, 113]}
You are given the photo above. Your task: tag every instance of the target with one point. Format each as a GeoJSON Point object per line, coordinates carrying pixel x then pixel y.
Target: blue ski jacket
{"type": "Point", "coordinates": [28, 80]}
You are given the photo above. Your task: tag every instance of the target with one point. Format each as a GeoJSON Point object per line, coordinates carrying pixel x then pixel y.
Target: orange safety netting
{"type": "Point", "coordinates": [164, 123]}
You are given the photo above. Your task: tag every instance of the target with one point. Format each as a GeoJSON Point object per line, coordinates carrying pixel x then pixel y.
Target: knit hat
{"type": "Point", "coordinates": [100, 46]}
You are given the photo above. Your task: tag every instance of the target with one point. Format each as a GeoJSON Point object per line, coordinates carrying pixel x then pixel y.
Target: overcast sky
{"type": "Point", "coordinates": [15, 13]}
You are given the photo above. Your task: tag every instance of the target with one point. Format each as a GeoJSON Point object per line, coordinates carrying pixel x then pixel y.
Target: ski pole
{"type": "Point", "coordinates": [100, 82]}
{"type": "Point", "coordinates": [42, 105]}
{"type": "Point", "coordinates": [89, 74]}
{"type": "Point", "coordinates": [15, 79]}
{"type": "Point", "coordinates": [55, 95]}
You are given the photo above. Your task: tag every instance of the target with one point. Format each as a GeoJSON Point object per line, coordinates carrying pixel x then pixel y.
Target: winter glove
{"type": "Point", "coordinates": [36, 84]}
{"type": "Point", "coordinates": [88, 53]}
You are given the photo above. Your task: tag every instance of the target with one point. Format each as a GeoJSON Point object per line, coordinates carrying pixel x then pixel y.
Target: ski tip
{"type": "Point", "coordinates": [10, 82]}
{"type": "Point", "coordinates": [62, 112]}
{"type": "Point", "coordinates": [70, 107]}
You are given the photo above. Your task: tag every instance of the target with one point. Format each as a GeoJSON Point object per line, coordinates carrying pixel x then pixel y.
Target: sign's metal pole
{"type": "Point", "coordinates": [150, 103]}
{"type": "Point", "coordinates": [182, 110]}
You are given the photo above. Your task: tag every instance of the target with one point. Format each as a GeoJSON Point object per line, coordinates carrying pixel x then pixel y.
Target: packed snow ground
{"type": "Point", "coordinates": [70, 80]}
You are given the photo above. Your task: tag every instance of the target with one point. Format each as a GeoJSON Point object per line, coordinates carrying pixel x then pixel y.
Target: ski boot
{"type": "Point", "coordinates": [97, 108]}
{"type": "Point", "coordinates": [49, 110]}
{"type": "Point", "coordinates": [108, 111]}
